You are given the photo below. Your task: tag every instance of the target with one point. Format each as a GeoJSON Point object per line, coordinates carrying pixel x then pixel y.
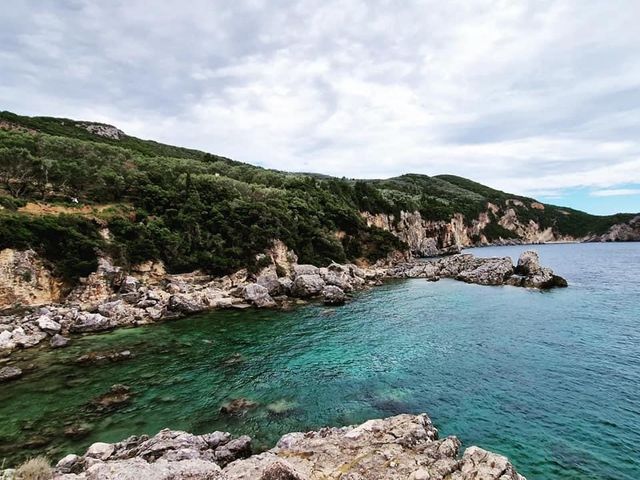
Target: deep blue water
{"type": "Point", "coordinates": [551, 379]}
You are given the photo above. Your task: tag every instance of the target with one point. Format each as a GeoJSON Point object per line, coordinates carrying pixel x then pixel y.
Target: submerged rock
{"type": "Point", "coordinates": [118, 396]}
{"type": "Point", "coordinates": [9, 373]}
{"type": "Point", "coordinates": [238, 406]}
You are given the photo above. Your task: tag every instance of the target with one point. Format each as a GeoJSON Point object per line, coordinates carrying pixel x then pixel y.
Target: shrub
{"type": "Point", "coordinates": [37, 468]}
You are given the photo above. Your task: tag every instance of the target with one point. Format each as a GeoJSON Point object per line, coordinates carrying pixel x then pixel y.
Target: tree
{"type": "Point", "coordinates": [18, 170]}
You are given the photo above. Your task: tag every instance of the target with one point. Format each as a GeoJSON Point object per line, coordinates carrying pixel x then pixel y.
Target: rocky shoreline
{"type": "Point", "coordinates": [111, 298]}
{"type": "Point", "coordinates": [403, 447]}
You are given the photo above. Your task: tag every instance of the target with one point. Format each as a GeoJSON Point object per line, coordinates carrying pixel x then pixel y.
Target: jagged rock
{"type": "Point", "coordinates": [258, 295]}
{"type": "Point", "coordinates": [58, 341]}
{"type": "Point", "coordinates": [234, 449]}
{"type": "Point", "coordinates": [70, 464]}
{"type": "Point", "coordinates": [185, 303]}
{"type": "Point", "coordinates": [129, 285]}
{"type": "Point", "coordinates": [306, 285]}
{"type": "Point", "coordinates": [481, 464]}
{"type": "Point", "coordinates": [26, 336]}
{"type": "Point", "coordinates": [26, 280]}
{"type": "Point", "coordinates": [270, 281]}
{"type": "Point", "coordinates": [305, 270]}
{"type": "Point", "coordinates": [332, 295]}
{"type": "Point", "coordinates": [48, 325]}
{"type": "Point", "coordinates": [9, 373]}
{"type": "Point", "coordinates": [397, 448]}
{"type": "Point", "coordinates": [100, 450]}
{"type": "Point", "coordinates": [528, 263]}
{"type": "Point", "coordinates": [91, 322]}
{"type": "Point", "coordinates": [493, 271]}
{"type": "Point", "coordinates": [285, 284]}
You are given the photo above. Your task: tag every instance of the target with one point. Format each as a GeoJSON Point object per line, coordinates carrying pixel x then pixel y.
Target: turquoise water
{"type": "Point", "coordinates": [550, 379]}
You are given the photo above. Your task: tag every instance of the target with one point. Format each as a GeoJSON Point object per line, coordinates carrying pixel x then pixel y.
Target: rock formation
{"type": "Point", "coordinates": [621, 232]}
{"type": "Point", "coordinates": [25, 280]}
{"type": "Point", "coordinates": [403, 447]}
{"type": "Point", "coordinates": [110, 298]}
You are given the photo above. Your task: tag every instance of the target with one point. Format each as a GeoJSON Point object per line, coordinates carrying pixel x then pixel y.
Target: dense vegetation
{"type": "Point", "coordinates": [196, 210]}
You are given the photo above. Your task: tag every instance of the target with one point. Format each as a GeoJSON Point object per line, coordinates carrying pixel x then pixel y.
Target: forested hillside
{"type": "Point", "coordinates": [65, 183]}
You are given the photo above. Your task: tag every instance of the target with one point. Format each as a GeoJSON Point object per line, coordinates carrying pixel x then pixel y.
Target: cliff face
{"type": "Point", "coordinates": [25, 280]}
{"type": "Point", "coordinates": [427, 237]}
{"type": "Point", "coordinates": [622, 232]}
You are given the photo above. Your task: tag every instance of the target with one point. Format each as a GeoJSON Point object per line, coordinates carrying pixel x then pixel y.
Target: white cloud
{"type": "Point", "coordinates": [524, 96]}
{"type": "Point", "coordinates": [615, 192]}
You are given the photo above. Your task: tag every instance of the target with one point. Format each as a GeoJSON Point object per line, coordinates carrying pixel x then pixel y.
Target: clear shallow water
{"type": "Point", "coordinates": [550, 379]}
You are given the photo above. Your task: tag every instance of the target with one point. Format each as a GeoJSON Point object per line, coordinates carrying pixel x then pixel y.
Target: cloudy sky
{"type": "Point", "coordinates": [534, 97]}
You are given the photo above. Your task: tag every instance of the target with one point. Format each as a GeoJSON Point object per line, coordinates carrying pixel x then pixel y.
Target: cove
{"type": "Point", "coordinates": [550, 379]}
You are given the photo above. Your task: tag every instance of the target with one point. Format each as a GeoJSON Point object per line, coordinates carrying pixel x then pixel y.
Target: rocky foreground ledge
{"type": "Point", "coordinates": [111, 298]}
{"type": "Point", "coordinates": [402, 447]}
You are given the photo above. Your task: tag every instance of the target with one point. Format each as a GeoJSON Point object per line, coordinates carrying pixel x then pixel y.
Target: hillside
{"type": "Point", "coordinates": [71, 189]}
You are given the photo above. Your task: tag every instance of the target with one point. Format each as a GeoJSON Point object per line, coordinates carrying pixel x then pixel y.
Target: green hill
{"type": "Point", "coordinates": [193, 209]}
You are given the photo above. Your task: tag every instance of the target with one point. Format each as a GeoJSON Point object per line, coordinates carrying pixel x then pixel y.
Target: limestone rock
{"type": "Point", "coordinates": [91, 322]}
{"type": "Point", "coordinates": [258, 295]}
{"type": "Point", "coordinates": [48, 325]}
{"type": "Point", "coordinates": [332, 295]}
{"type": "Point", "coordinates": [26, 280]}
{"type": "Point", "coordinates": [305, 270]}
{"type": "Point", "coordinates": [307, 285]}
{"type": "Point", "coordinates": [100, 450]}
{"type": "Point", "coordinates": [58, 341]}
{"type": "Point", "coordinates": [9, 373]}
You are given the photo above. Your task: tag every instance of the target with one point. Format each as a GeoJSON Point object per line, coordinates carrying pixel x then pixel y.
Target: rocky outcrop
{"type": "Point", "coordinates": [621, 232]}
{"type": "Point", "coordinates": [427, 238]}
{"type": "Point", "coordinates": [403, 447]}
{"type": "Point", "coordinates": [109, 298]}
{"type": "Point", "coordinates": [483, 271]}
{"type": "Point", "coordinates": [102, 130]}
{"type": "Point", "coordinates": [25, 280]}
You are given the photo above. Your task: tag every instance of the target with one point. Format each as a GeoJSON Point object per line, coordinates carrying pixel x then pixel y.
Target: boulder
{"type": "Point", "coordinates": [91, 322]}
{"type": "Point", "coordinates": [488, 271]}
{"type": "Point", "coordinates": [258, 295]}
{"type": "Point", "coordinates": [118, 396]}
{"type": "Point", "coordinates": [100, 450]}
{"type": "Point", "coordinates": [307, 285]}
{"type": "Point", "coordinates": [481, 464]}
{"type": "Point", "coordinates": [270, 281]}
{"type": "Point", "coordinates": [70, 464]}
{"type": "Point", "coordinates": [45, 323]}
{"type": "Point", "coordinates": [58, 341]}
{"type": "Point", "coordinates": [332, 295]}
{"type": "Point", "coordinates": [528, 264]}
{"type": "Point", "coordinates": [305, 270]}
{"type": "Point", "coordinates": [9, 373]}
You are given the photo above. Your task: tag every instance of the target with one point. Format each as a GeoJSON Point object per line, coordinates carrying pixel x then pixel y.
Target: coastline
{"type": "Point", "coordinates": [110, 298]}
{"type": "Point", "coordinates": [395, 448]}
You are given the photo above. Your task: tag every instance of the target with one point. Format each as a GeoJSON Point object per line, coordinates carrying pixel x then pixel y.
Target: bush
{"type": "Point", "coordinates": [37, 468]}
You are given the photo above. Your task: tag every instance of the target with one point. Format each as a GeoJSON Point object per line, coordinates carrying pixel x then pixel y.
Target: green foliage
{"type": "Point", "coordinates": [196, 210]}
{"type": "Point", "coordinates": [68, 241]}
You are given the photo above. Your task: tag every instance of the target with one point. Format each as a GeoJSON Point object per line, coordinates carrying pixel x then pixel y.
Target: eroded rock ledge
{"type": "Point", "coordinates": [401, 447]}
{"type": "Point", "coordinates": [111, 298]}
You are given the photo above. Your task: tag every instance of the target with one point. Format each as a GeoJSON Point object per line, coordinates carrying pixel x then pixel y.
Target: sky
{"type": "Point", "coordinates": [534, 97]}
